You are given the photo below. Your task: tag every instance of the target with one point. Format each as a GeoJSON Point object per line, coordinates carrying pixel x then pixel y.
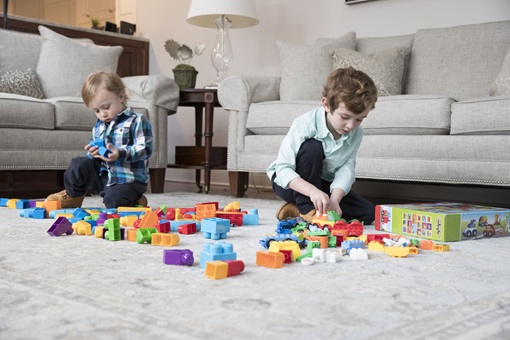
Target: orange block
{"type": "Point", "coordinates": [163, 239]}
{"type": "Point", "coordinates": [205, 211]}
{"type": "Point", "coordinates": [131, 234]}
{"type": "Point", "coordinates": [426, 244]}
{"type": "Point", "coordinates": [149, 220]}
{"type": "Point", "coordinates": [53, 205]}
{"type": "Point", "coordinates": [323, 240]}
{"type": "Point", "coordinates": [216, 270]}
{"type": "Point", "coordinates": [270, 260]}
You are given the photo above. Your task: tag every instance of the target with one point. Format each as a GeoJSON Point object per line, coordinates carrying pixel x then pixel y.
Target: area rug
{"type": "Point", "coordinates": [81, 287]}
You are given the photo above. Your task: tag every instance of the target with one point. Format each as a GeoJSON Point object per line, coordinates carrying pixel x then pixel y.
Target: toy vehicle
{"type": "Point", "coordinates": [470, 230]}
{"type": "Point", "coordinates": [285, 226]}
{"type": "Point", "coordinates": [489, 231]}
{"type": "Point", "coordinates": [266, 241]}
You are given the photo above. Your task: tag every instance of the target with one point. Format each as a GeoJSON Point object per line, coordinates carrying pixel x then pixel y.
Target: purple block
{"type": "Point", "coordinates": [178, 256]}
{"type": "Point", "coordinates": [61, 226]}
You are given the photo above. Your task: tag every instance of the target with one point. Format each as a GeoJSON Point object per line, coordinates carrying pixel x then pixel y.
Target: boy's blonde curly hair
{"type": "Point", "coordinates": [111, 81]}
{"type": "Point", "coordinates": [352, 87]}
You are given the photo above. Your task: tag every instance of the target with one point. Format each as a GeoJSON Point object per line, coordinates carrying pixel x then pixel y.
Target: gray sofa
{"type": "Point", "coordinates": [447, 122]}
{"type": "Point", "coordinates": [46, 132]}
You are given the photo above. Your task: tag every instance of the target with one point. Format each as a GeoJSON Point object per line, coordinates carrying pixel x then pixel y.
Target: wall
{"type": "Point", "coordinates": [292, 20]}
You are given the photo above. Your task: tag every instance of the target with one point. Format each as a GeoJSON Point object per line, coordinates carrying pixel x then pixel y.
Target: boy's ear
{"type": "Point", "coordinates": [325, 104]}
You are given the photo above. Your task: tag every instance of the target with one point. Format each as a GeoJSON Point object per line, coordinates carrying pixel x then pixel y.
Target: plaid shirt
{"type": "Point", "coordinates": [131, 134]}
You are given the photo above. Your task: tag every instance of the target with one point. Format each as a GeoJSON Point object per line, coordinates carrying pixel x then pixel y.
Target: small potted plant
{"type": "Point", "coordinates": [185, 75]}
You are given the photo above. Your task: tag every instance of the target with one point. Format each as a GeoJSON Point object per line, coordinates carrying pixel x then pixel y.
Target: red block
{"type": "Point", "coordinates": [235, 267]}
{"type": "Point", "coordinates": [190, 228]}
{"type": "Point", "coordinates": [288, 255]}
{"type": "Point", "coordinates": [163, 227]}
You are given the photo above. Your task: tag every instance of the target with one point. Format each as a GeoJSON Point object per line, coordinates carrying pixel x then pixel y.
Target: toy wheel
{"type": "Point", "coordinates": [475, 232]}
{"type": "Point", "coordinates": [468, 233]}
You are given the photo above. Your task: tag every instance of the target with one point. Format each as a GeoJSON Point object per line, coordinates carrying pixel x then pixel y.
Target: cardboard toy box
{"type": "Point", "coordinates": [443, 221]}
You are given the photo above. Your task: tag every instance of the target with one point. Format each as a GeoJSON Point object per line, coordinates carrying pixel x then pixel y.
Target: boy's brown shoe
{"type": "Point", "coordinates": [67, 201]}
{"type": "Point", "coordinates": [287, 210]}
{"type": "Point", "coordinates": [310, 216]}
{"type": "Point", "coordinates": [142, 201]}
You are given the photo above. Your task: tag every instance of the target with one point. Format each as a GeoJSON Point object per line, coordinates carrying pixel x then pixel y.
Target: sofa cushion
{"type": "Point", "coordinates": [64, 63]}
{"type": "Point", "coordinates": [386, 68]}
{"type": "Point", "coordinates": [72, 114]}
{"type": "Point", "coordinates": [371, 45]}
{"type": "Point", "coordinates": [501, 85]}
{"type": "Point", "coordinates": [19, 50]}
{"type": "Point", "coordinates": [409, 115]}
{"type": "Point", "coordinates": [481, 116]}
{"type": "Point", "coordinates": [25, 112]}
{"type": "Point", "coordinates": [305, 68]}
{"type": "Point", "coordinates": [460, 62]}
{"type": "Point", "coordinates": [276, 117]}
{"type": "Point", "coordinates": [22, 82]}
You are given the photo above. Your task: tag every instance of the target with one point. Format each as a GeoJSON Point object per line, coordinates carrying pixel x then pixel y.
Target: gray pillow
{"type": "Point", "coordinates": [386, 68]}
{"type": "Point", "coordinates": [64, 63]}
{"type": "Point", "coordinates": [305, 68]}
{"type": "Point", "coordinates": [501, 85]}
{"type": "Point", "coordinates": [22, 82]}
{"type": "Point", "coordinates": [19, 50]}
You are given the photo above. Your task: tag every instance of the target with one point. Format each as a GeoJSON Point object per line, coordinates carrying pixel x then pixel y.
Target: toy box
{"type": "Point", "coordinates": [443, 221]}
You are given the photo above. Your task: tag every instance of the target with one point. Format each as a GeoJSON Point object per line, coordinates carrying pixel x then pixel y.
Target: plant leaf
{"type": "Point", "coordinates": [172, 47]}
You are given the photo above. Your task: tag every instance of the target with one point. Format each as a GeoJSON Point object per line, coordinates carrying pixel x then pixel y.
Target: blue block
{"type": "Point", "coordinates": [251, 218]}
{"type": "Point", "coordinates": [22, 204]}
{"type": "Point", "coordinates": [215, 228]}
{"type": "Point", "coordinates": [3, 202]}
{"type": "Point", "coordinates": [220, 251]}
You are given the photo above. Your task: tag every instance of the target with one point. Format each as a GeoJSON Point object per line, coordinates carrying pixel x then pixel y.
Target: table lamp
{"type": "Point", "coordinates": [222, 15]}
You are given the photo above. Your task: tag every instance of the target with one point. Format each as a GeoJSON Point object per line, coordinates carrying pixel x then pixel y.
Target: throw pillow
{"type": "Point", "coordinates": [386, 68]}
{"type": "Point", "coordinates": [22, 82]}
{"type": "Point", "coordinates": [305, 68]}
{"type": "Point", "coordinates": [501, 85]}
{"type": "Point", "coordinates": [64, 63]}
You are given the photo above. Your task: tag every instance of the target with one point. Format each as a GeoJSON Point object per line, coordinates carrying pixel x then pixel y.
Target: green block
{"type": "Point", "coordinates": [113, 227]}
{"type": "Point", "coordinates": [144, 235]}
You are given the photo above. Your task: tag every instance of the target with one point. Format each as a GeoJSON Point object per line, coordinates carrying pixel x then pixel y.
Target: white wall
{"type": "Point", "coordinates": [292, 20]}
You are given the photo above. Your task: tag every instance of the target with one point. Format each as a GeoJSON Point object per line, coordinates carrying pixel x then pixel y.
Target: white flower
{"type": "Point", "coordinates": [199, 49]}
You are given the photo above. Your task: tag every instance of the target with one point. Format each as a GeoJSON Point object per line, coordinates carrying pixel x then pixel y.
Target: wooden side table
{"type": "Point", "coordinates": [201, 157]}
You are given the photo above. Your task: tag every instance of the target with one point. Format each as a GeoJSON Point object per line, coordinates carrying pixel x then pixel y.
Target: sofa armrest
{"type": "Point", "coordinates": [237, 92]}
{"type": "Point", "coordinates": [155, 89]}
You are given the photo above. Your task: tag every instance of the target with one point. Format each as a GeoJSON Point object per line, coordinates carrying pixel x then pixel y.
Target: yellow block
{"type": "Point", "coordinates": [276, 246]}
{"type": "Point", "coordinates": [163, 239]}
{"type": "Point", "coordinates": [145, 209]}
{"type": "Point", "coordinates": [99, 232]}
{"type": "Point", "coordinates": [131, 234]}
{"type": "Point", "coordinates": [12, 203]}
{"type": "Point", "coordinates": [232, 206]}
{"type": "Point", "coordinates": [128, 221]}
{"type": "Point", "coordinates": [377, 246]}
{"type": "Point", "coordinates": [216, 270]}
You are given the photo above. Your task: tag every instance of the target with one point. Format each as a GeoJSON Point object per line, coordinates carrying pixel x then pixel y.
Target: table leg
{"type": "Point", "coordinates": [208, 134]}
{"type": "Point", "coordinates": [198, 139]}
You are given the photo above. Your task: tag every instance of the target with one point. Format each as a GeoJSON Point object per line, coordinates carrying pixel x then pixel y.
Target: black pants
{"type": "Point", "coordinates": [309, 167]}
{"type": "Point", "coordinates": [83, 175]}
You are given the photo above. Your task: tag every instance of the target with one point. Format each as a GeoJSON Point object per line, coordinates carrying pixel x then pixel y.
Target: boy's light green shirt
{"type": "Point", "coordinates": [339, 155]}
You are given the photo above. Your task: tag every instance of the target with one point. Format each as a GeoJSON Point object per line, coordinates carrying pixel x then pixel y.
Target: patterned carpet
{"type": "Point", "coordinates": [79, 287]}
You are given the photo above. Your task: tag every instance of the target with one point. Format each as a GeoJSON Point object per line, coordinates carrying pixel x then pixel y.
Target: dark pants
{"type": "Point", "coordinates": [83, 175]}
{"type": "Point", "coordinates": [309, 167]}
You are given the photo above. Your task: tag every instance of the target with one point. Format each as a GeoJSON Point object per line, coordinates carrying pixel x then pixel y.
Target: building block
{"type": "Point", "coordinates": [80, 213]}
{"type": "Point", "coordinates": [163, 239]}
{"type": "Point", "coordinates": [22, 204]}
{"type": "Point", "coordinates": [251, 218]}
{"type": "Point", "coordinates": [61, 226]}
{"type": "Point", "coordinates": [217, 251]}
{"type": "Point", "coordinates": [112, 227]}
{"type": "Point", "coordinates": [131, 234]}
{"type": "Point", "coordinates": [426, 245]}
{"type": "Point", "coordinates": [351, 244]}
{"type": "Point", "coordinates": [187, 229]}
{"type": "Point", "coordinates": [216, 270]}
{"type": "Point", "coordinates": [128, 220]}
{"type": "Point", "coordinates": [235, 217]}
{"type": "Point", "coordinates": [181, 257]}
{"type": "Point", "coordinates": [205, 211]}
{"type": "Point", "coordinates": [3, 202]}
{"type": "Point", "coordinates": [441, 247]}
{"type": "Point", "coordinates": [277, 246]}
{"type": "Point", "coordinates": [11, 203]}
{"type": "Point", "coordinates": [144, 235]}
{"type": "Point", "coordinates": [174, 225]}
{"type": "Point", "coordinates": [334, 255]}
{"type": "Point", "coordinates": [82, 228]}
{"type": "Point", "coordinates": [163, 226]}
{"type": "Point", "coordinates": [223, 269]}
{"type": "Point", "coordinates": [288, 256]}
{"type": "Point", "coordinates": [215, 228]}
{"type": "Point", "coordinates": [149, 220]}
{"type": "Point", "coordinates": [269, 260]}
{"type": "Point", "coordinates": [376, 246]}
{"type": "Point", "coordinates": [358, 254]}
{"type": "Point", "coordinates": [131, 209]}
{"type": "Point", "coordinates": [413, 250]}
{"type": "Point", "coordinates": [99, 232]}
{"type": "Point", "coordinates": [319, 254]}
{"type": "Point", "coordinates": [53, 205]}
{"type": "Point", "coordinates": [397, 251]}
{"type": "Point", "coordinates": [232, 206]}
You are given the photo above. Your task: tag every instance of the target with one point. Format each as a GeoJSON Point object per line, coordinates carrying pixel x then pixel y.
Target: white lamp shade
{"type": "Point", "coordinates": [203, 13]}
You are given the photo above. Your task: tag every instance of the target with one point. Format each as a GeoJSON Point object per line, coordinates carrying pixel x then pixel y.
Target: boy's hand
{"type": "Point", "coordinates": [111, 156]}
{"type": "Point", "coordinates": [335, 206]}
{"type": "Point", "coordinates": [320, 200]}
